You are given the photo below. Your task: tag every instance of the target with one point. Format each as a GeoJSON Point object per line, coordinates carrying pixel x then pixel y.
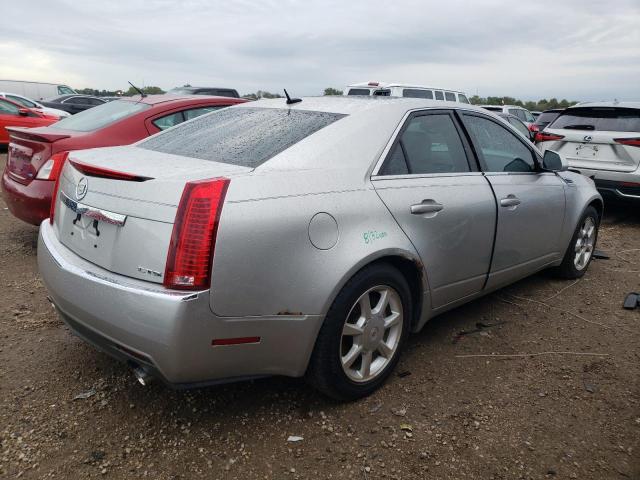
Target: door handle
{"type": "Point", "coordinates": [510, 201]}
{"type": "Point", "coordinates": [426, 206]}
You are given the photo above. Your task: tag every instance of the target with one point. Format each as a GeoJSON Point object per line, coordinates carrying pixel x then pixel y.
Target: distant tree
{"type": "Point", "coordinates": [540, 105]}
{"type": "Point", "coordinates": [261, 94]}
{"type": "Point", "coordinates": [332, 91]}
{"type": "Point", "coordinates": [147, 90]}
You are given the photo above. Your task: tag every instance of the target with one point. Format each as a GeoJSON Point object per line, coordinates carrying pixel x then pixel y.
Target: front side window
{"type": "Point", "coordinates": [521, 127]}
{"type": "Point", "coordinates": [429, 144]}
{"type": "Point", "coordinates": [462, 98]}
{"type": "Point", "coordinates": [528, 117]}
{"type": "Point", "coordinates": [417, 93]}
{"type": "Point", "coordinates": [439, 95]}
{"type": "Point", "coordinates": [501, 150]}
{"type": "Point", "coordinates": [100, 116]}
{"type": "Point", "coordinates": [22, 101]}
{"type": "Point", "coordinates": [169, 121]}
{"type": "Point", "coordinates": [450, 96]}
{"type": "Point", "coordinates": [7, 108]}
{"type": "Point", "coordinates": [196, 112]}
{"type": "Point", "coordinates": [243, 136]}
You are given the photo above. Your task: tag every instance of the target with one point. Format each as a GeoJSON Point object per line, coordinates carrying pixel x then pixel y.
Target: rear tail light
{"type": "Point", "coordinates": [632, 142]}
{"type": "Point", "coordinates": [547, 137]}
{"type": "Point", "coordinates": [52, 167]}
{"type": "Point", "coordinates": [193, 240]}
{"type": "Point", "coordinates": [54, 196]}
{"type": "Point", "coordinates": [534, 128]}
{"type": "Point", "coordinates": [100, 172]}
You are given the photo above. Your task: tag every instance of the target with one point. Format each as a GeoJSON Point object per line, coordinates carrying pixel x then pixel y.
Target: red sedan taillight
{"type": "Point", "coordinates": [193, 240]}
{"type": "Point", "coordinates": [547, 137]}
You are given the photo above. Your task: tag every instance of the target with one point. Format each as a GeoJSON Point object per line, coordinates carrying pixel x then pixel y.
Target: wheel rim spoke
{"type": "Point", "coordinates": [352, 355]}
{"type": "Point", "coordinates": [365, 306]}
{"type": "Point", "coordinates": [383, 301]}
{"type": "Point", "coordinates": [385, 350]}
{"type": "Point", "coordinates": [351, 330]}
{"type": "Point", "coordinates": [392, 320]}
{"type": "Point", "coordinates": [365, 368]}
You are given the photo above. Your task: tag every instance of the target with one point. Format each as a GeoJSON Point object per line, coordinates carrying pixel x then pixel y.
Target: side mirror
{"type": "Point", "coordinates": [554, 162]}
{"type": "Point", "coordinates": [23, 111]}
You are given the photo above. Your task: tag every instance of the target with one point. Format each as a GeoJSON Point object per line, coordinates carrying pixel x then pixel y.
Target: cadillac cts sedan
{"type": "Point", "coordinates": [304, 239]}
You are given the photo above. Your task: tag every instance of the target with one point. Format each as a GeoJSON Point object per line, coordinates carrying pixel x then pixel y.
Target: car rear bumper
{"type": "Point", "coordinates": [29, 203]}
{"type": "Point", "coordinates": [169, 333]}
{"type": "Point", "coordinates": [622, 185]}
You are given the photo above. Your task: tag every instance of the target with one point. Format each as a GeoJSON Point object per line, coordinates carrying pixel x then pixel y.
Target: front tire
{"type": "Point", "coordinates": [362, 335]}
{"type": "Point", "coordinates": [580, 250]}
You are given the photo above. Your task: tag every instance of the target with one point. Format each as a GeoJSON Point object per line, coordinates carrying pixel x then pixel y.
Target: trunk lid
{"type": "Point", "coordinates": [29, 149]}
{"type": "Point", "coordinates": [125, 226]}
{"type": "Point", "coordinates": [596, 150]}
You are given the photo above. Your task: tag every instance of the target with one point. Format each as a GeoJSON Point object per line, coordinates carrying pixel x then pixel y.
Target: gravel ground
{"type": "Point", "coordinates": [443, 415]}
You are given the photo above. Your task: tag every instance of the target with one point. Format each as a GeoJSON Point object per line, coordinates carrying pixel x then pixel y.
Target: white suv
{"type": "Point", "coordinates": [522, 113]}
{"type": "Point", "coordinates": [405, 90]}
{"type": "Point", "coordinates": [602, 141]}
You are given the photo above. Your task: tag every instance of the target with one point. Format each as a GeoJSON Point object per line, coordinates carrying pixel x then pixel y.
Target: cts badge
{"type": "Point", "coordinates": [82, 188]}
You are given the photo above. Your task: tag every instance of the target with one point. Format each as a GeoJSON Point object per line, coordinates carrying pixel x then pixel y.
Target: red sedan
{"type": "Point", "coordinates": [36, 154]}
{"type": "Point", "coordinates": [13, 114]}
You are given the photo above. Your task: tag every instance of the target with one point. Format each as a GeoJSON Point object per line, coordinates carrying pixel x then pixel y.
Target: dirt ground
{"type": "Point", "coordinates": [443, 415]}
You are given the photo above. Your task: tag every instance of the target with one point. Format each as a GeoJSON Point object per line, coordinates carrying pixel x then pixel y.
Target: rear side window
{"type": "Point", "coordinates": [169, 121]}
{"type": "Point", "coordinates": [439, 96]}
{"type": "Point", "coordinates": [501, 150]}
{"type": "Point", "coordinates": [450, 96]}
{"type": "Point", "coordinates": [359, 91]}
{"type": "Point", "coordinates": [429, 144]}
{"type": "Point", "coordinates": [241, 136]}
{"type": "Point", "coordinates": [609, 119]}
{"type": "Point", "coordinates": [416, 93]}
{"type": "Point", "coordinates": [100, 116]}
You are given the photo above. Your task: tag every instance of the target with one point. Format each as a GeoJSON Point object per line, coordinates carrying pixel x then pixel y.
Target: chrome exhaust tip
{"type": "Point", "coordinates": [142, 375]}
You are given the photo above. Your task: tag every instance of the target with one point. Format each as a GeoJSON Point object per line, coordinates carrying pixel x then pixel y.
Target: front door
{"type": "Point", "coordinates": [446, 207]}
{"type": "Point", "coordinates": [531, 203]}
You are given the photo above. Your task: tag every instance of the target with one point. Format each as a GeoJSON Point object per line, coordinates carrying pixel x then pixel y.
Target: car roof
{"type": "Point", "coordinates": [607, 104]}
{"type": "Point", "coordinates": [401, 85]}
{"type": "Point", "coordinates": [163, 98]}
{"type": "Point", "coordinates": [350, 105]}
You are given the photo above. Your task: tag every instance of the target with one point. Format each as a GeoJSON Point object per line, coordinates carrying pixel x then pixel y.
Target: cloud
{"type": "Point", "coordinates": [574, 49]}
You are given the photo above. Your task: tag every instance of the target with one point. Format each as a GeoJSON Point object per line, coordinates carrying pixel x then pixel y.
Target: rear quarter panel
{"type": "Point", "coordinates": [265, 263]}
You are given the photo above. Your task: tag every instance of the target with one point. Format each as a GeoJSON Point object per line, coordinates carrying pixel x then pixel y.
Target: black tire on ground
{"type": "Point", "coordinates": [325, 371]}
{"type": "Point", "coordinates": [567, 268]}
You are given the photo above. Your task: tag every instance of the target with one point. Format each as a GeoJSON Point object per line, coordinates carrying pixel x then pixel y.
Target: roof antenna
{"type": "Point", "coordinates": [290, 100]}
{"type": "Point", "coordinates": [142, 94]}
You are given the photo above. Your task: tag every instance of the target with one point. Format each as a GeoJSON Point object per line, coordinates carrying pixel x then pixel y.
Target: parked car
{"type": "Point", "coordinates": [220, 92]}
{"type": "Point", "coordinates": [546, 118]}
{"type": "Point", "coordinates": [403, 90]}
{"type": "Point", "coordinates": [305, 239]}
{"type": "Point", "coordinates": [518, 124]}
{"type": "Point", "coordinates": [600, 140]}
{"type": "Point", "coordinates": [37, 90]}
{"type": "Point", "coordinates": [535, 113]}
{"type": "Point", "coordinates": [13, 114]}
{"type": "Point", "coordinates": [36, 155]}
{"type": "Point", "coordinates": [73, 103]}
{"type": "Point", "coordinates": [520, 112]}
{"type": "Point", "coordinates": [27, 102]}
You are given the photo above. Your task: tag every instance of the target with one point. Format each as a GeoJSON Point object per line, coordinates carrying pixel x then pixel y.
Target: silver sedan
{"type": "Point", "coordinates": [304, 239]}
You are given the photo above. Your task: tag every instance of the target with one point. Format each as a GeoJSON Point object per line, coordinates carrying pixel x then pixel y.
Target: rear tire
{"type": "Point", "coordinates": [363, 333]}
{"type": "Point", "coordinates": [580, 250]}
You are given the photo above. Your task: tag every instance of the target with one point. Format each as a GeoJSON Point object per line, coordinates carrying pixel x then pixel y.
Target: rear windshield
{"type": "Point", "coordinates": [100, 116]}
{"type": "Point", "coordinates": [359, 91]}
{"type": "Point", "coordinates": [610, 119]}
{"type": "Point", "coordinates": [246, 137]}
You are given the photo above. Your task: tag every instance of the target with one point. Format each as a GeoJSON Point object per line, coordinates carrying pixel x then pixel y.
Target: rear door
{"type": "Point", "coordinates": [442, 202]}
{"type": "Point", "coordinates": [594, 138]}
{"type": "Point", "coordinates": [531, 204]}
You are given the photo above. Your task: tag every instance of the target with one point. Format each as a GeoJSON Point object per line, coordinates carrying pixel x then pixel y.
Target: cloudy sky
{"type": "Point", "coordinates": [582, 49]}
